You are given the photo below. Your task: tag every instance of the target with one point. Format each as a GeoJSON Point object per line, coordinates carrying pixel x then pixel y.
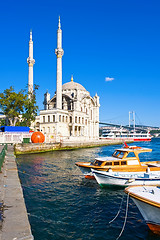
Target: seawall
{"type": "Point", "coordinates": [15, 224]}
{"type": "Point", "coordinates": [27, 148]}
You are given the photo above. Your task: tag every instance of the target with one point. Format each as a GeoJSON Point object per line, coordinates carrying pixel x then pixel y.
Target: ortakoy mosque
{"type": "Point", "coordinates": [71, 113]}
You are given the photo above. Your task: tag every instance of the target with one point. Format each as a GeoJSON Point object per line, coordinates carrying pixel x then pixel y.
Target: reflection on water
{"type": "Point", "coordinates": [63, 205]}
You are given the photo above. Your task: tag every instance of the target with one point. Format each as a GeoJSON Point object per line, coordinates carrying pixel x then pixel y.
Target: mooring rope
{"type": "Point", "coordinates": [125, 218]}
{"type": "Point", "coordinates": [118, 211]}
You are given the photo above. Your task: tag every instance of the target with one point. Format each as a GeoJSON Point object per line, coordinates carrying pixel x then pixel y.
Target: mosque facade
{"type": "Point", "coordinates": [71, 113]}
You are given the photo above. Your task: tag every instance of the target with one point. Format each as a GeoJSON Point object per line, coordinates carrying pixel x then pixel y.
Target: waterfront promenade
{"type": "Point", "coordinates": [15, 224]}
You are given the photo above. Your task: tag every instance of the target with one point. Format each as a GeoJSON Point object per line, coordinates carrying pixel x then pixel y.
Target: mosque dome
{"type": "Point", "coordinates": [72, 86]}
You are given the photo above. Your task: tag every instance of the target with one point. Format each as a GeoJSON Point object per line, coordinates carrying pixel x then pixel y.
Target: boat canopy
{"type": "Point", "coordinates": [104, 159]}
{"type": "Point", "coordinates": [134, 149]}
{"type": "Point", "coordinates": [120, 153]}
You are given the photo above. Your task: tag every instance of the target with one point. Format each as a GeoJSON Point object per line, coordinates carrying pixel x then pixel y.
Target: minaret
{"type": "Point", "coordinates": [59, 52]}
{"type": "Point", "coordinates": [30, 62]}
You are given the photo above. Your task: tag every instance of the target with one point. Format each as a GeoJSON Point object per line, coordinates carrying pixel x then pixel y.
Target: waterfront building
{"type": "Point", "coordinates": [71, 113]}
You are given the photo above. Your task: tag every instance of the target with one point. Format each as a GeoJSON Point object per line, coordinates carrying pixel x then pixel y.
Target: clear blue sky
{"type": "Point", "coordinates": [113, 39]}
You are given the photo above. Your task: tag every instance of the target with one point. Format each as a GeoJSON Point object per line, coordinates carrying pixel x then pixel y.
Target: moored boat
{"type": "Point", "coordinates": [124, 179]}
{"type": "Point", "coordinates": [125, 134]}
{"type": "Point", "coordinates": [125, 159]}
{"type": "Point", "coordinates": [147, 199]}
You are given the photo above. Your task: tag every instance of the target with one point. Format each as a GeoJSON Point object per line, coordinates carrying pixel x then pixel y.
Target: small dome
{"type": "Point", "coordinates": [72, 86]}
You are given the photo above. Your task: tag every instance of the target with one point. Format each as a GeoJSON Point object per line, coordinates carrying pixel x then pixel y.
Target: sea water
{"type": "Point", "coordinates": [62, 204]}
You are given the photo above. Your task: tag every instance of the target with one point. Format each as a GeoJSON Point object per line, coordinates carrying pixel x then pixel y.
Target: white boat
{"type": "Point", "coordinates": [147, 199]}
{"type": "Point", "coordinates": [125, 134]}
{"type": "Point", "coordinates": [124, 179]}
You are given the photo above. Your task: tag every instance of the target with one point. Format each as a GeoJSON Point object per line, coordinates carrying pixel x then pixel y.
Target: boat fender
{"type": "Point", "coordinates": [148, 170]}
{"type": "Point", "coordinates": [130, 180]}
{"type": "Point", "coordinates": [110, 170]}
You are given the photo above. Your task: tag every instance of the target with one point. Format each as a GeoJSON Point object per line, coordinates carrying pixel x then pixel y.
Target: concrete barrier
{"type": "Point", "coordinates": [26, 148]}
{"type": "Point", "coordinates": [63, 145]}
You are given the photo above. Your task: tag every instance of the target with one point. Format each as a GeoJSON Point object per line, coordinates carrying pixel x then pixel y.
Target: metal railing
{"type": "Point", "coordinates": [2, 155]}
{"type": "Point", "coordinates": [15, 137]}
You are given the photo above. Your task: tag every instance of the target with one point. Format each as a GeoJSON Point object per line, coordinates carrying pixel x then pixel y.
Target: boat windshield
{"type": "Point", "coordinates": [97, 163]}
{"type": "Point", "coordinates": [118, 154]}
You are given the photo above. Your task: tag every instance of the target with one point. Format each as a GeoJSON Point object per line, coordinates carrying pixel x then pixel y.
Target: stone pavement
{"type": "Point", "coordinates": [15, 225]}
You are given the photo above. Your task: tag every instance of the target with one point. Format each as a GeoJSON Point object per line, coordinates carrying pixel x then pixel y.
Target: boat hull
{"type": "Point", "coordinates": [155, 228]}
{"type": "Point", "coordinates": [127, 139]}
{"type": "Point", "coordinates": [142, 139]}
{"type": "Point", "coordinates": [151, 215]}
{"type": "Point", "coordinates": [106, 179]}
{"type": "Point", "coordinates": [147, 199]}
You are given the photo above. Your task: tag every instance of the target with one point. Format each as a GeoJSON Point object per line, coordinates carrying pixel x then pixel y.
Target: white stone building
{"type": "Point", "coordinates": [71, 113]}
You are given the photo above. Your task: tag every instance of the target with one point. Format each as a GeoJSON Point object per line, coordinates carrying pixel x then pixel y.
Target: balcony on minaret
{"type": "Point", "coordinates": [30, 61]}
{"type": "Point", "coordinates": [59, 52]}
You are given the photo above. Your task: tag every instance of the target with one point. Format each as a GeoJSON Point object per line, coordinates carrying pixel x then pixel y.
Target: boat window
{"type": "Point", "coordinates": [108, 164]}
{"type": "Point", "coordinates": [131, 154]}
{"type": "Point", "coordinates": [97, 163]}
{"type": "Point", "coordinates": [118, 154]}
{"type": "Point", "coordinates": [124, 163]}
{"type": "Point", "coordinates": [114, 154]}
{"type": "Point", "coordinates": [116, 163]}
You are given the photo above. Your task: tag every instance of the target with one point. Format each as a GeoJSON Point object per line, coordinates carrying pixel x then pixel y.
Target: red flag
{"type": "Point", "coordinates": [126, 146]}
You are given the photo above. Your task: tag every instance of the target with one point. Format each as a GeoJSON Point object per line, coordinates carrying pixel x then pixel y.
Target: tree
{"type": "Point", "coordinates": [2, 122]}
{"type": "Point", "coordinates": [12, 104]}
{"type": "Point", "coordinates": [18, 108]}
{"type": "Point", "coordinates": [30, 108]}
